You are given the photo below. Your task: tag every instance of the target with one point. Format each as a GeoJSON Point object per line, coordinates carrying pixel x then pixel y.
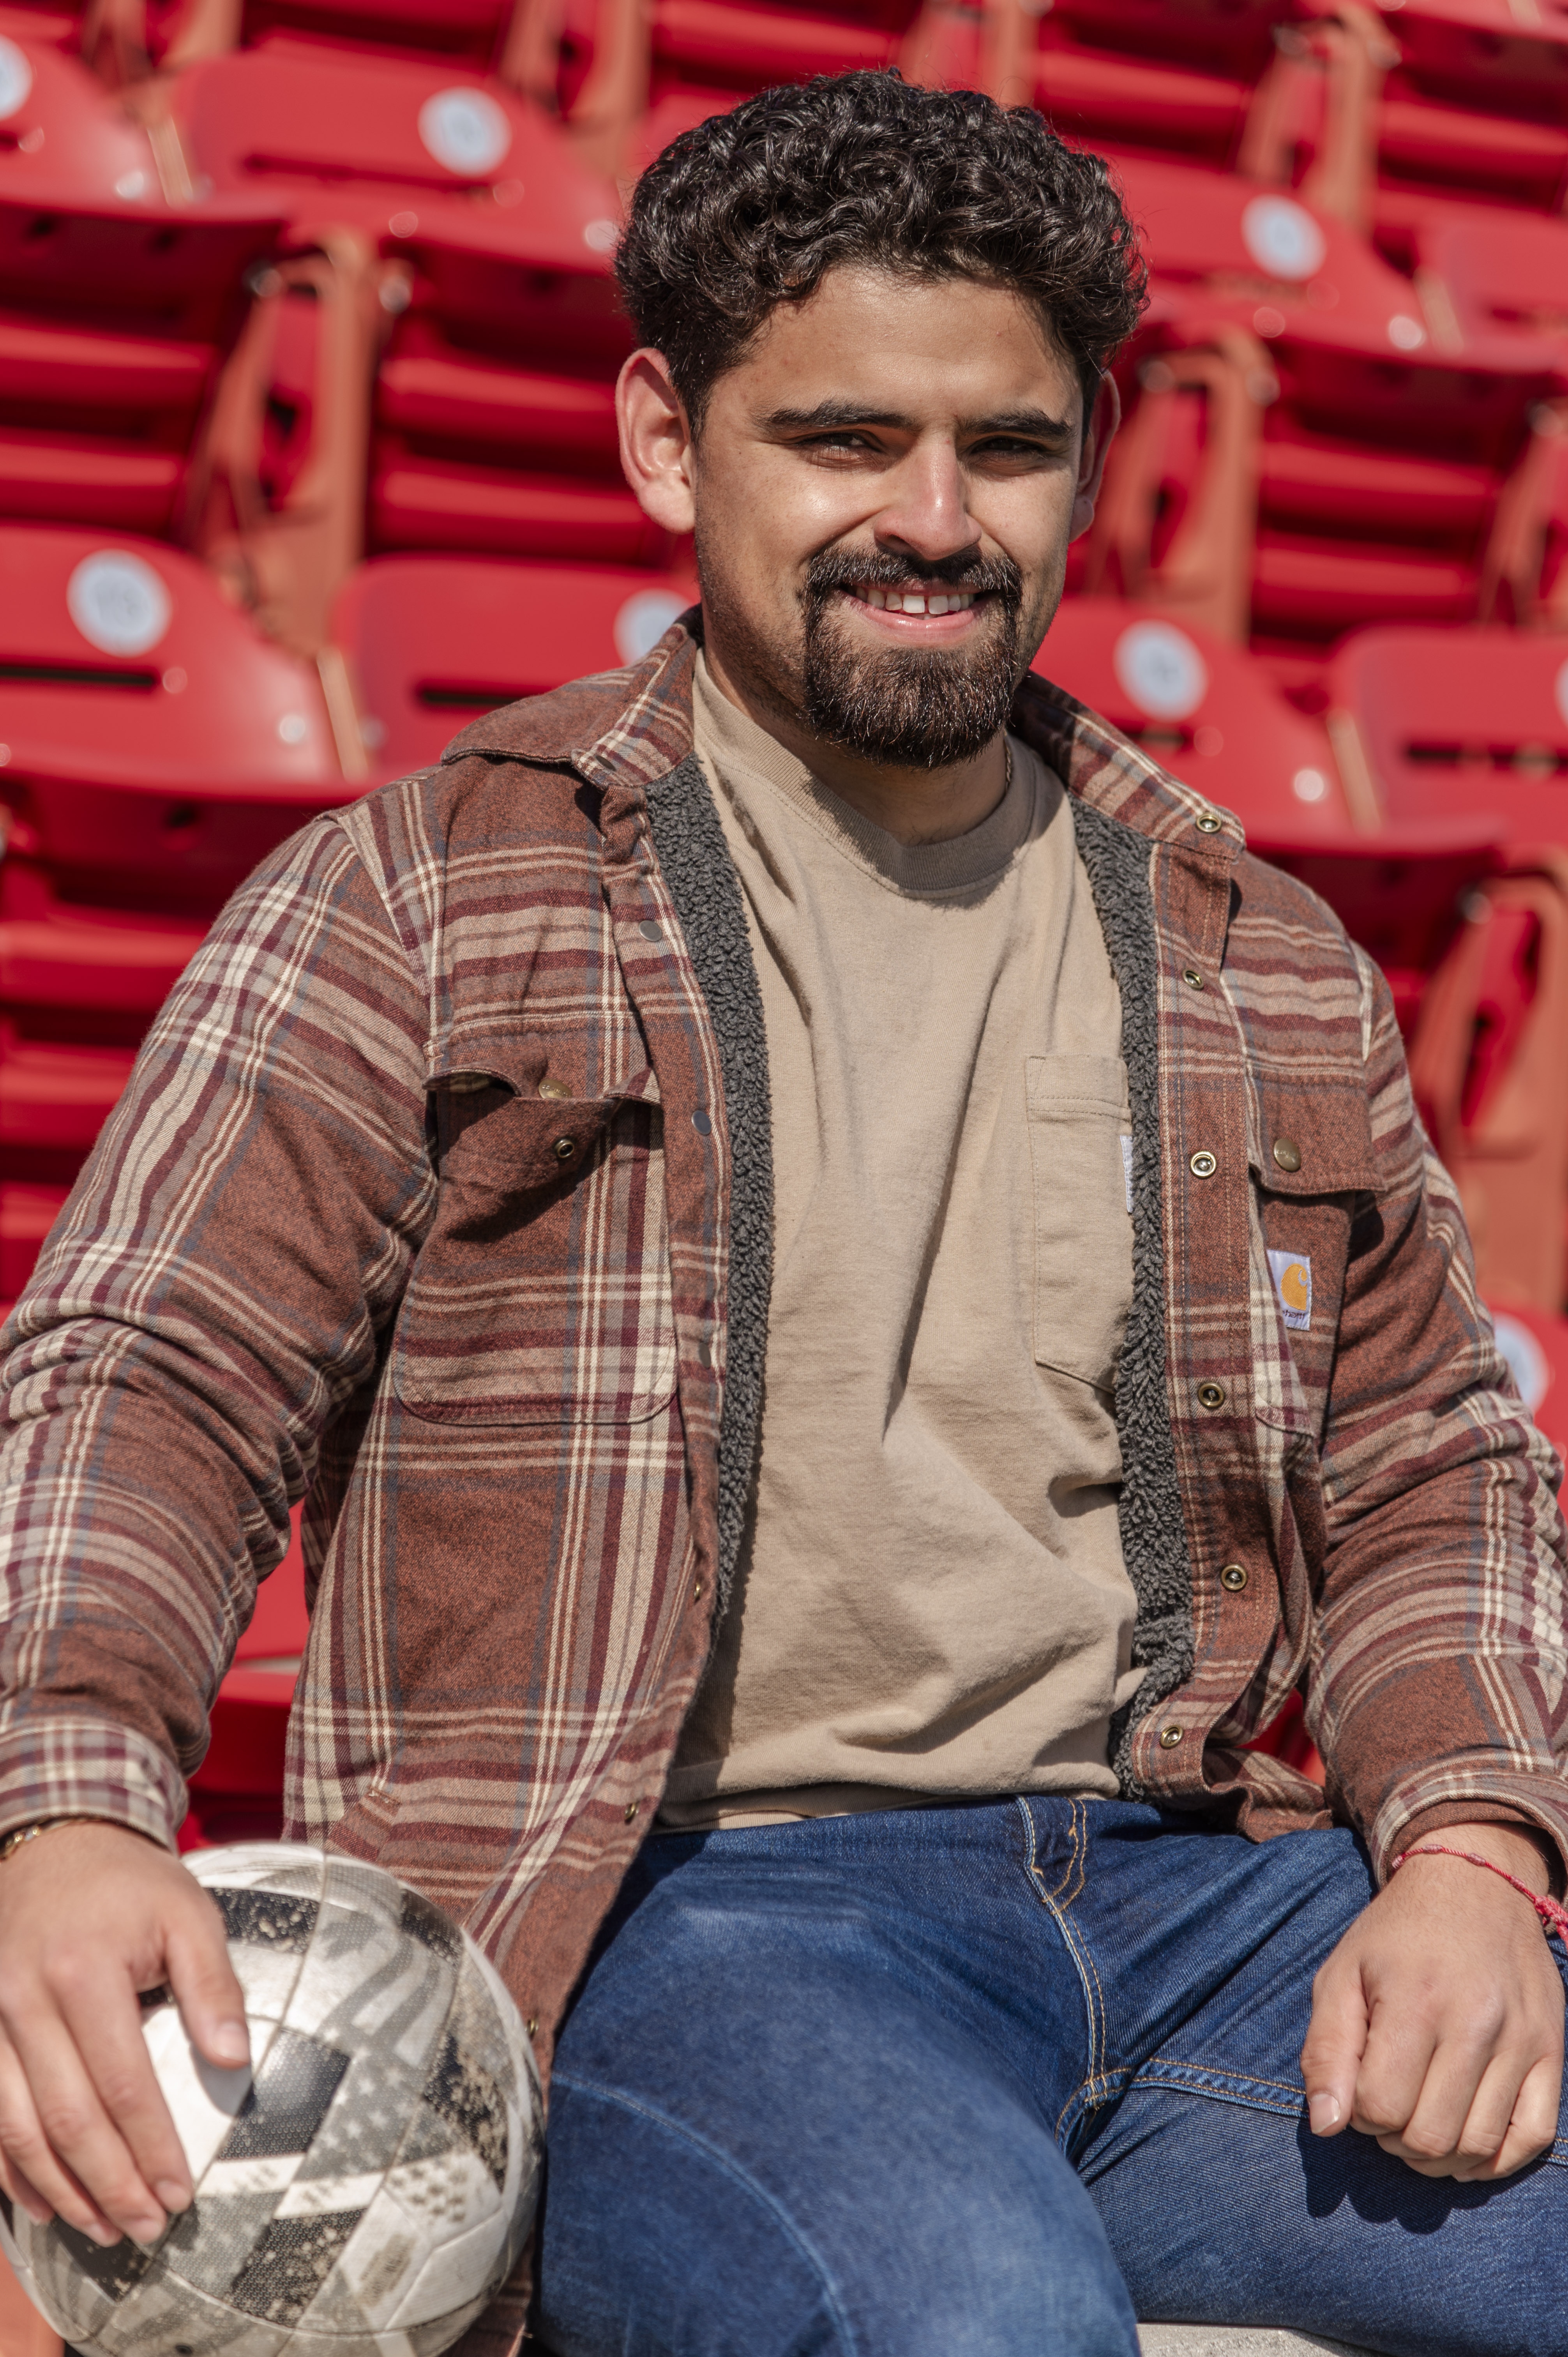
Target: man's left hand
{"type": "Point", "coordinates": [1437, 2022]}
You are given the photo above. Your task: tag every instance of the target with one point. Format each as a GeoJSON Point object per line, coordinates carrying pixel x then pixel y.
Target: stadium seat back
{"type": "Point", "coordinates": [1486, 1065]}
{"type": "Point", "coordinates": [1456, 721]}
{"type": "Point", "coordinates": [431, 642]}
{"type": "Point", "coordinates": [1206, 710]}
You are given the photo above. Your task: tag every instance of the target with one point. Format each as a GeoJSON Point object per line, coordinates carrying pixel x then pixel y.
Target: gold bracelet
{"type": "Point", "coordinates": [12, 1842]}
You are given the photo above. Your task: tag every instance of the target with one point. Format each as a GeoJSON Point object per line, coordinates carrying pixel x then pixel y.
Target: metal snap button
{"type": "Point", "coordinates": [652, 929]}
{"type": "Point", "coordinates": [1207, 822]}
{"type": "Point", "coordinates": [1203, 1164]}
{"type": "Point", "coordinates": [1211, 1395]}
{"type": "Point", "coordinates": [702, 1123]}
{"type": "Point", "coordinates": [553, 1088]}
{"type": "Point", "coordinates": [1191, 977]}
{"type": "Point", "coordinates": [1169, 1737]}
{"type": "Point", "coordinates": [1287, 1153]}
{"type": "Point", "coordinates": [564, 1148]}
{"type": "Point", "coordinates": [631, 1809]}
{"type": "Point", "coordinates": [696, 1591]}
{"type": "Point", "coordinates": [1233, 1575]}
{"type": "Point", "coordinates": [533, 2024]}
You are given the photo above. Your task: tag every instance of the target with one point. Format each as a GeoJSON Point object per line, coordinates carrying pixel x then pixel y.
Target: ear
{"type": "Point", "coordinates": [1104, 418]}
{"type": "Point", "coordinates": [657, 453]}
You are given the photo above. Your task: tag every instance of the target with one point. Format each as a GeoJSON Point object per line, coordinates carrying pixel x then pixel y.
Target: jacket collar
{"type": "Point", "coordinates": [623, 730]}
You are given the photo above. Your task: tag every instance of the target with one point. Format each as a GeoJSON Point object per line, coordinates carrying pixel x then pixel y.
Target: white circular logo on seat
{"type": "Point", "coordinates": [118, 602]}
{"type": "Point", "coordinates": [465, 130]}
{"type": "Point", "coordinates": [16, 78]}
{"type": "Point", "coordinates": [1162, 670]}
{"type": "Point", "coordinates": [1525, 1359]}
{"type": "Point", "coordinates": [1282, 238]}
{"type": "Point", "coordinates": [643, 620]}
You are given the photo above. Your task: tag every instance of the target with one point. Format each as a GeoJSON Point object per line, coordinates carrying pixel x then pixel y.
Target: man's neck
{"type": "Point", "coordinates": [913, 805]}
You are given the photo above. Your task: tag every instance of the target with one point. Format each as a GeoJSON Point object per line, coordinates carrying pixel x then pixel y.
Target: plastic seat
{"type": "Point", "coordinates": [432, 642]}
{"type": "Point", "coordinates": [1208, 711]}
{"type": "Point", "coordinates": [358, 138]}
{"type": "Point", "coordinates": [124, 669]}
{"type": "Point", "coordinates": [1351, 336]}
{"type": "Point", "coordinates": [1232, 495]}
{"type": "Point", "coordinates": [93, 200]}
{"type": "Point", "coordinates": [1486, 1065]}
{"type": "Point", "coordinates": [1453, 723]}
{"type": "Point", "coordinates": [1347, 114]}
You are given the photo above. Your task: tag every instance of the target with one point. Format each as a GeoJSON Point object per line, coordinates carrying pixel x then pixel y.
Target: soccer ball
{"type": "Point", "coordinates": [364, 2188]}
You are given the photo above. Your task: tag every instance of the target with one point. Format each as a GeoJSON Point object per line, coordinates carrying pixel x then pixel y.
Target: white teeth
{"type": "Point", "coordinates": [916, 601]}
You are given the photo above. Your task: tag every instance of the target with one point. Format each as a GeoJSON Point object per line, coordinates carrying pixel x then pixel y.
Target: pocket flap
{"type": "Point", "coordinates": [1316, 1141]}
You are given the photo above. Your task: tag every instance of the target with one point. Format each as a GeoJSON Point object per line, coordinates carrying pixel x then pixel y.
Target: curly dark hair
{"type": "Point", "coordinates": [750, 210]}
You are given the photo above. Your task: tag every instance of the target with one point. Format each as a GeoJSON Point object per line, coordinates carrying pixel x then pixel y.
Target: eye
{"type": "Point", "coordinates": [1011, 447]}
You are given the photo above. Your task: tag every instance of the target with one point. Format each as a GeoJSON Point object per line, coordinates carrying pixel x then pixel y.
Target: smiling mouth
{"type": "Point", "coordinates": [914, 600]}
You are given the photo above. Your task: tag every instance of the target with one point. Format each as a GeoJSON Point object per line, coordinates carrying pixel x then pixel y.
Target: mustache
{"type": "Point", "coordinates": [832, 569]}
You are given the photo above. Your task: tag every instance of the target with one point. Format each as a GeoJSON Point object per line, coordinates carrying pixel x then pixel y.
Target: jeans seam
{"type": "Point", "coordinates": [741, 2177]}
{"type": "Point", "coordinates": [1087, 1970]}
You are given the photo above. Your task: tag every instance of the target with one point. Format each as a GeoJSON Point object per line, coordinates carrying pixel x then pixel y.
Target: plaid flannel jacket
{"type": "Point", "coordinates": [440, 1189]}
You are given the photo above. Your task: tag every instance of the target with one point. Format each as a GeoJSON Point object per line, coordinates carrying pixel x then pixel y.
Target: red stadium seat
{"type": "Point", "coordinates": [360, 138]}
{"type": "Point", "coordinates": [118, 298]}
{"type": "Point", "coordinates": [432, 642]}
{"type": "Point", "coordinates": [1486, 1065]}
{"type": "Point", "coordinates": [126, 671]}
{"type": "Point", "coordinates": [1453, 723]}
{"type": "Point", "coordinates": [1349, 111]}
{"type": "Point", "coordinates": [1230, 486]}
{"type": "Point", "coordinates": [94, 201]}
{"type": "Point", "coordinates": [1208, 711]}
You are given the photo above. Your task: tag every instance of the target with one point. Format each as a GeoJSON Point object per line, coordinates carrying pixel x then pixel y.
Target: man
{"type": "Point", "coordinates": [750, 1196]}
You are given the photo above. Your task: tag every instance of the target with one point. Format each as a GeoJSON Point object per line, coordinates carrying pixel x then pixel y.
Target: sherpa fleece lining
{"type": "Point", "coordinates": [689, 840]}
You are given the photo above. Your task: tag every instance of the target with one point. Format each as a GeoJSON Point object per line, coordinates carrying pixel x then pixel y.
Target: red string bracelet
{"type": "Point", "coordinates": [1552, 1915]}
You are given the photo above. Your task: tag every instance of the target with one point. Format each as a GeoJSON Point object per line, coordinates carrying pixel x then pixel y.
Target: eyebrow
{"type": "Point", "coordinates": [1038, 423]}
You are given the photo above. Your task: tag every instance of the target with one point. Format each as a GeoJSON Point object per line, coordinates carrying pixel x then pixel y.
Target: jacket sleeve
{"type": "Point", "coordinates": [1439, 1690]}
{"type": "Point", "coordinates": [216, 1287]}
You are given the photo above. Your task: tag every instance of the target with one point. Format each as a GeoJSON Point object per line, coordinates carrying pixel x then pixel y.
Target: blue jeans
{"type": "Point", "coordinates": [991, 2081]}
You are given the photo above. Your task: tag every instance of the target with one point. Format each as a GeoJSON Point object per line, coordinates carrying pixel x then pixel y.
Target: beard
{"type": "Point", "coordinates": [910, 707]}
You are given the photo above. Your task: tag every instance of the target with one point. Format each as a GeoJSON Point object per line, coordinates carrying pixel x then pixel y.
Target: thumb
{"type": "Point", "coordinates": [1335, 2042]}
{"type": "Point", "coordinates": [201, 1981]}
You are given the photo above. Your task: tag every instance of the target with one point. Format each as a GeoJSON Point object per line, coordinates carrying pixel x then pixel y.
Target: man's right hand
{"type": "Point", "coordinates": [89, 1916]}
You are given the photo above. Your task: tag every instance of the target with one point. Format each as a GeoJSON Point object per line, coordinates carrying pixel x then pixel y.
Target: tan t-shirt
{"type": "Point", "coordinates": [932, 1598]}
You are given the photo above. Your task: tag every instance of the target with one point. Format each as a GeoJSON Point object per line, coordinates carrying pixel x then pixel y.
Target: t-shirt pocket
{"type": "Point", "coordinates": [1080, 1154]}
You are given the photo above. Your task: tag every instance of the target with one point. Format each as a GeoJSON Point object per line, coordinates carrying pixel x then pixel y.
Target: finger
{"type": "Point", "coordinates": [1422, 2117]}
{"type": "Point", "coordinates": [18, 2188]}
{"type": "Point", "coordinates": [106, 2024]}
{"type": "Point", "coordinates": [1400, 2042]}
{"type": "Point", "coordinates": [79, 2135]}
{"type": "Point", "coordinates": [201, 1978]}
{"type": "Point", "coordinates": [1335, 2042]}
{"type": "Point", "coordinates": [29, 2164]}
{"type": "Point", "coordinates": [1491, 2115]}
{"type": "Point", "coordinates": [1534, 2127]}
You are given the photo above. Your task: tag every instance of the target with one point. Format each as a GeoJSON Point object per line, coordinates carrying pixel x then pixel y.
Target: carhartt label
{"type": "Point", "coordinates": [1293, 1283]}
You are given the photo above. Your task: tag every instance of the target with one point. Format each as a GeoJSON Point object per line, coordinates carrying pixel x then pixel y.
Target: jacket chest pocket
{"type": "Point", "coordinates": [1080, 1156]}
{"type": "Point", "coordinates": [543, 1292]}
{"type": "Point", "coordinates": [1313, 1174]}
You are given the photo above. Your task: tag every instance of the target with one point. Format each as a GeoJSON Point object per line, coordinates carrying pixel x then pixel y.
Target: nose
{"type": "Point", "coordinates": [925, 513]}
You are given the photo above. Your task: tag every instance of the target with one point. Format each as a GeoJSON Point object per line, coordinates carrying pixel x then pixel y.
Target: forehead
{"type": "Point", "coordinates": [952, 347]}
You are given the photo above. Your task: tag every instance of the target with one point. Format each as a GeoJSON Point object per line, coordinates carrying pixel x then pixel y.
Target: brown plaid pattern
{"type": "Point", "coordinates": [336, 1236]}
